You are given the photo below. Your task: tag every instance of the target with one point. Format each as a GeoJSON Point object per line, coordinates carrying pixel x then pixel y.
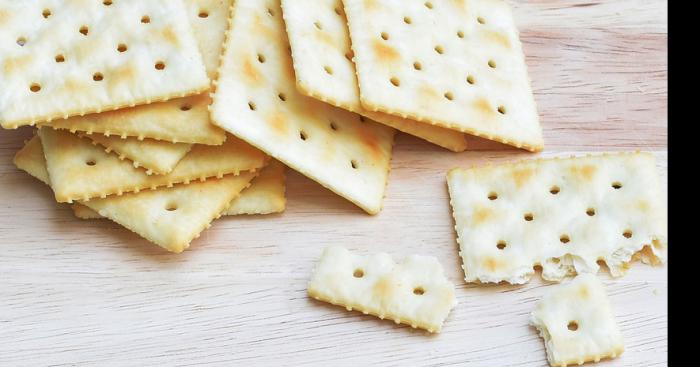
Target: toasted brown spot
{"type": "Point", "coordinates": [643, 205]}
{"type": "Point", "coordinates": [371, 143]}
{"type": "Point", "coordinates": [583, 292]}
{"type": "Point", "coordinates": [3, 16]}
{"type": "Point", "coordinates": [491, 264]}
{"type": "Point", "coordinates": [123, 74]}
{"type": "Point", "coordinates": [326, 38]}
{"type": "Point", "coordinates": [481, 215]}
{"type": "Point", "coordinates": [170, 35]}
{"type": "Point", "coordinates": [16, 64]}
{"type": "Point", "coordinates": [385, 53]}
{"type": "Point", "coordinates": [483, 106]}
{"type": "Point", "coordinates": [251, 73]}
{"type": "Point", "coordinates": [585, 173]}
{"type": "Point", "coordinates": [383, 289]}
{"type": "Point", "coordinates": [278, 122]}
{"type": "Point", "coordinates": [371, 4]}
{"type": "Point", "coordinates": [496, 37]}
{"type": "Point", "coordinates": [521, 176]}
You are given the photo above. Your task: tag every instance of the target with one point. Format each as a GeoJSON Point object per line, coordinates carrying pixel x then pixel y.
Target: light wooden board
{"type": "Point", "coordinates": [90, 293]}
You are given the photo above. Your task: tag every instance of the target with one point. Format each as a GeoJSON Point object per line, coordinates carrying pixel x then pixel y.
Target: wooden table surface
{"type": "Point", "coordinates": [78, 292]}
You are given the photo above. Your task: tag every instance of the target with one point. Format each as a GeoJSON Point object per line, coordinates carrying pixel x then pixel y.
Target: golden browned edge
{"type": "Point", "coordinates": [212, 96]}
{"type": "Point", "coordinates": [571, 157]}
{"type": "Point", "coordinates": [65, 115]}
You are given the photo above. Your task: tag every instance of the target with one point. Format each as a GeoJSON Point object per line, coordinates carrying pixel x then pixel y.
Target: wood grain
{"type": "Point", "coordinates": [78, 292]}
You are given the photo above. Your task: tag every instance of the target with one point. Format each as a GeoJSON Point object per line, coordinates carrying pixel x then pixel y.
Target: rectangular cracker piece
{"type": "Point", "coordinates": [577, 324]}
{"type": "Point", "coordinates": [564, 214]}
{"type": "Point", "coordinates": [179, 120]}
{"type": "Point", "coordinates": [414, 292]}
{"type": "Point", "coordinates": [266, 194]}
{"type": "Point", "coordinates": [63, 58]}
{"type": "Point", "coordinates": [155, 156]}
{"type": "Point", "coordinates": [78, 170]}
{"type": "Point", "coordinates": [256, 99]}
{"type": "Point", "coordinates": [472, 74]}
{"type": "Point", "coordinates": [318, 35]}
{"type": "Point", "coordinates": [173, 217]}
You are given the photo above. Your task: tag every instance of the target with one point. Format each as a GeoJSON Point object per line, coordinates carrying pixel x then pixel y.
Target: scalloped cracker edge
{"type": "Point", "coordinates": [155, 156]}
{"type": "Point", "coordinates": [564, 215]}
{"type": "Point", "coordinates": [414, 292]}
{"type": "Point", "coordinates": [256, 99]}
{"type": "Point", "coordinates": [68, 63]}
{"type": "Point", "coordinates": [455, 64]}
{"type": "Point", "coordinates": [78, 170]}
{"type": "Point", "coordinates": [577, 324]}
{"type": "Point", "coordinates": [320, 41]}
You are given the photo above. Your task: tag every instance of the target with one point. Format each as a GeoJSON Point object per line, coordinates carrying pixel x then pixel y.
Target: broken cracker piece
{"type": "Point", "coordinates": [266, 194]}
{"type": "Point", "coordinates": [577, 324]}
{"type": "Point", "coordinates": [81, 171]}
{"type": "Point", "coordinates": [455, 64]}
{"type": "Point", "coordinates": [67, 58]}
{"type": "Point", "coordinates": [256, 100]}
{"type": "Point", "coordinates": [318, 35]}
{"type": "Point", "coordinates": [564, 214]}
{"type": "Point", "coordinates": [414, 292]}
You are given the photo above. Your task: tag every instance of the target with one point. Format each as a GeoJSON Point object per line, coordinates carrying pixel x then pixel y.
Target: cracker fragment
{"type": "Point", "coordinates": [83, 212]}
{"type": "Point", "coordinates": [183, 120]}
{"type": "Point", "coordinates": [31, 160]}
{"type": "Point", "coordinates": [414, 292]}
{"type": "Point", "coordinates": [68, 61]}
{"type": "Point", "coordinates": [564, 214]}
{"type": "Point", "coordinates": [455, 64]}
{"type": "Point", "coordinates": [159, 157]}
{"type": "Point", "coordinates": [320, 41]}
{"type": "Point", "coordinates": [81, 171]}
{"type": "Point", "coordinates": [256, 99]}
{"type": "Point", "coordinates": [577, 324]}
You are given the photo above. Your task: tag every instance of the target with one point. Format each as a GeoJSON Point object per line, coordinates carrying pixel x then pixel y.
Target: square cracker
{"type": "Point", "coordinates": [318, 34]}
{"type": "Point", "coordinates": [155, 156]}
{"type": "Point", "coordinates": [577, 324]}
{"type": "Point", "coordinates": [414, 292]}
{"type": "Point", "coordinates": [458, 64]}
{"type": "Point", "coordinates": [78, 170]}
{"type": "Point", "coordinates": [61, 58]}
{"type": "Point", "coordinates": [256, 99]}
{"type": "Point", "coordinates": [178, 120]}
{"type": "Point", "coordinates": [562, 214]}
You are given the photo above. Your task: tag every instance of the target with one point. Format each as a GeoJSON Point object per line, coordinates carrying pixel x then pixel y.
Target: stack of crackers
{"type": "Point", "coordinates": [163, 115]}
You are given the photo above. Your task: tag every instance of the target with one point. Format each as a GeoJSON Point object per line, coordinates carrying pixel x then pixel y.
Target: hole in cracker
{"type": "Point", "coordinates": [449, 96]}
{"type": "Point", "coordinates": [493, 196]}
{"type": "Point", "coordinates": [59, 58]}
{"type": "Point", "coordinates": [537, 268]}
{"type": "Point", "coordinates": [417, 65]}
{"type": "Point", "coordinates": [261, 58]}
{"type": "Point", "coordinates": [395, 81]}
{"type": "Point", "coordinates": [98, 77]}
{"type": "Point", "coordinates": [555, 260]}
{"type": "Point", "coordinates": [84, 30]}
{"type": "Point", "coordinates": [439, 49]}
{"type": "Point", "coordinates": [573, 325]}
{"type": "Point", "coordinates": [252, 106]}
{"type": "Point", "coordinates": [334, 127]}
{"type": "Point", "coordinates": [590, 212]}
{"type": "Point", "coordinates": [107, 2]}
{"type": "Point", "coordinates": [564, 238]}
{"type": "Point", "coordinates": [385, 36]}
{"type": "Point", "coordinates": [418, 291]}
{"type": "Point", "coordinates": [160, 65]}
{"type": "Point", "coordinates": [318, 25]}
{"type": "Point", "coordinates": [460, 34]}
{"type": "Point", "coordinates": [46, 13]}
{"type": "Point", "coordinates": [554, 190]}
{"type": "Point", "coordinates": [616, 185]}
{"type": "Point", "coordinates": [501, 245]}
{"type": "Point", "coordinates": [171, 207]}
{"type": "Point", "coordinates": [90, 162]}
{"type": "Point", "coordinates": [145, 19]}
{"type": "Point", "coordinates": [481, 20]}
{"type": "Point", "coordinates": [328, 70]}
{"type": "Point", "coordinates": [122, 47]}
{"type": "Point", "coordinates": [501, 110]}
{"type": "Point", "coordinates": [492, 64]}
{"type": "Point", "coordinates": [407, 20]}
{"type": "Point", "coordinates": [303, 135]}
{"type": "Point", "coordinates": [471, 79]}
{"type": "Point", "coordinates": [358, 273]}
{"type": "Point", "coordinates": [528, 217]}
{"type": "Point", "coordinates": [203, 14]}
{"type": "Point", "coordinates": [428, 5]}
{"type": "Point", "coordinates": [353, 164]}
{"type": "Point", "coordinates": [282, 97]}
{"type": "Point", "coordinates": [35, 87]}
{"type": "Point", "coordinates": [185, 107]}
{"type": "Point", "coordinates": [21, 41]}
{"type": "Point", "coordinates": [627, 233]}
{"type": "Point", "coordinates": [270, 12]}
